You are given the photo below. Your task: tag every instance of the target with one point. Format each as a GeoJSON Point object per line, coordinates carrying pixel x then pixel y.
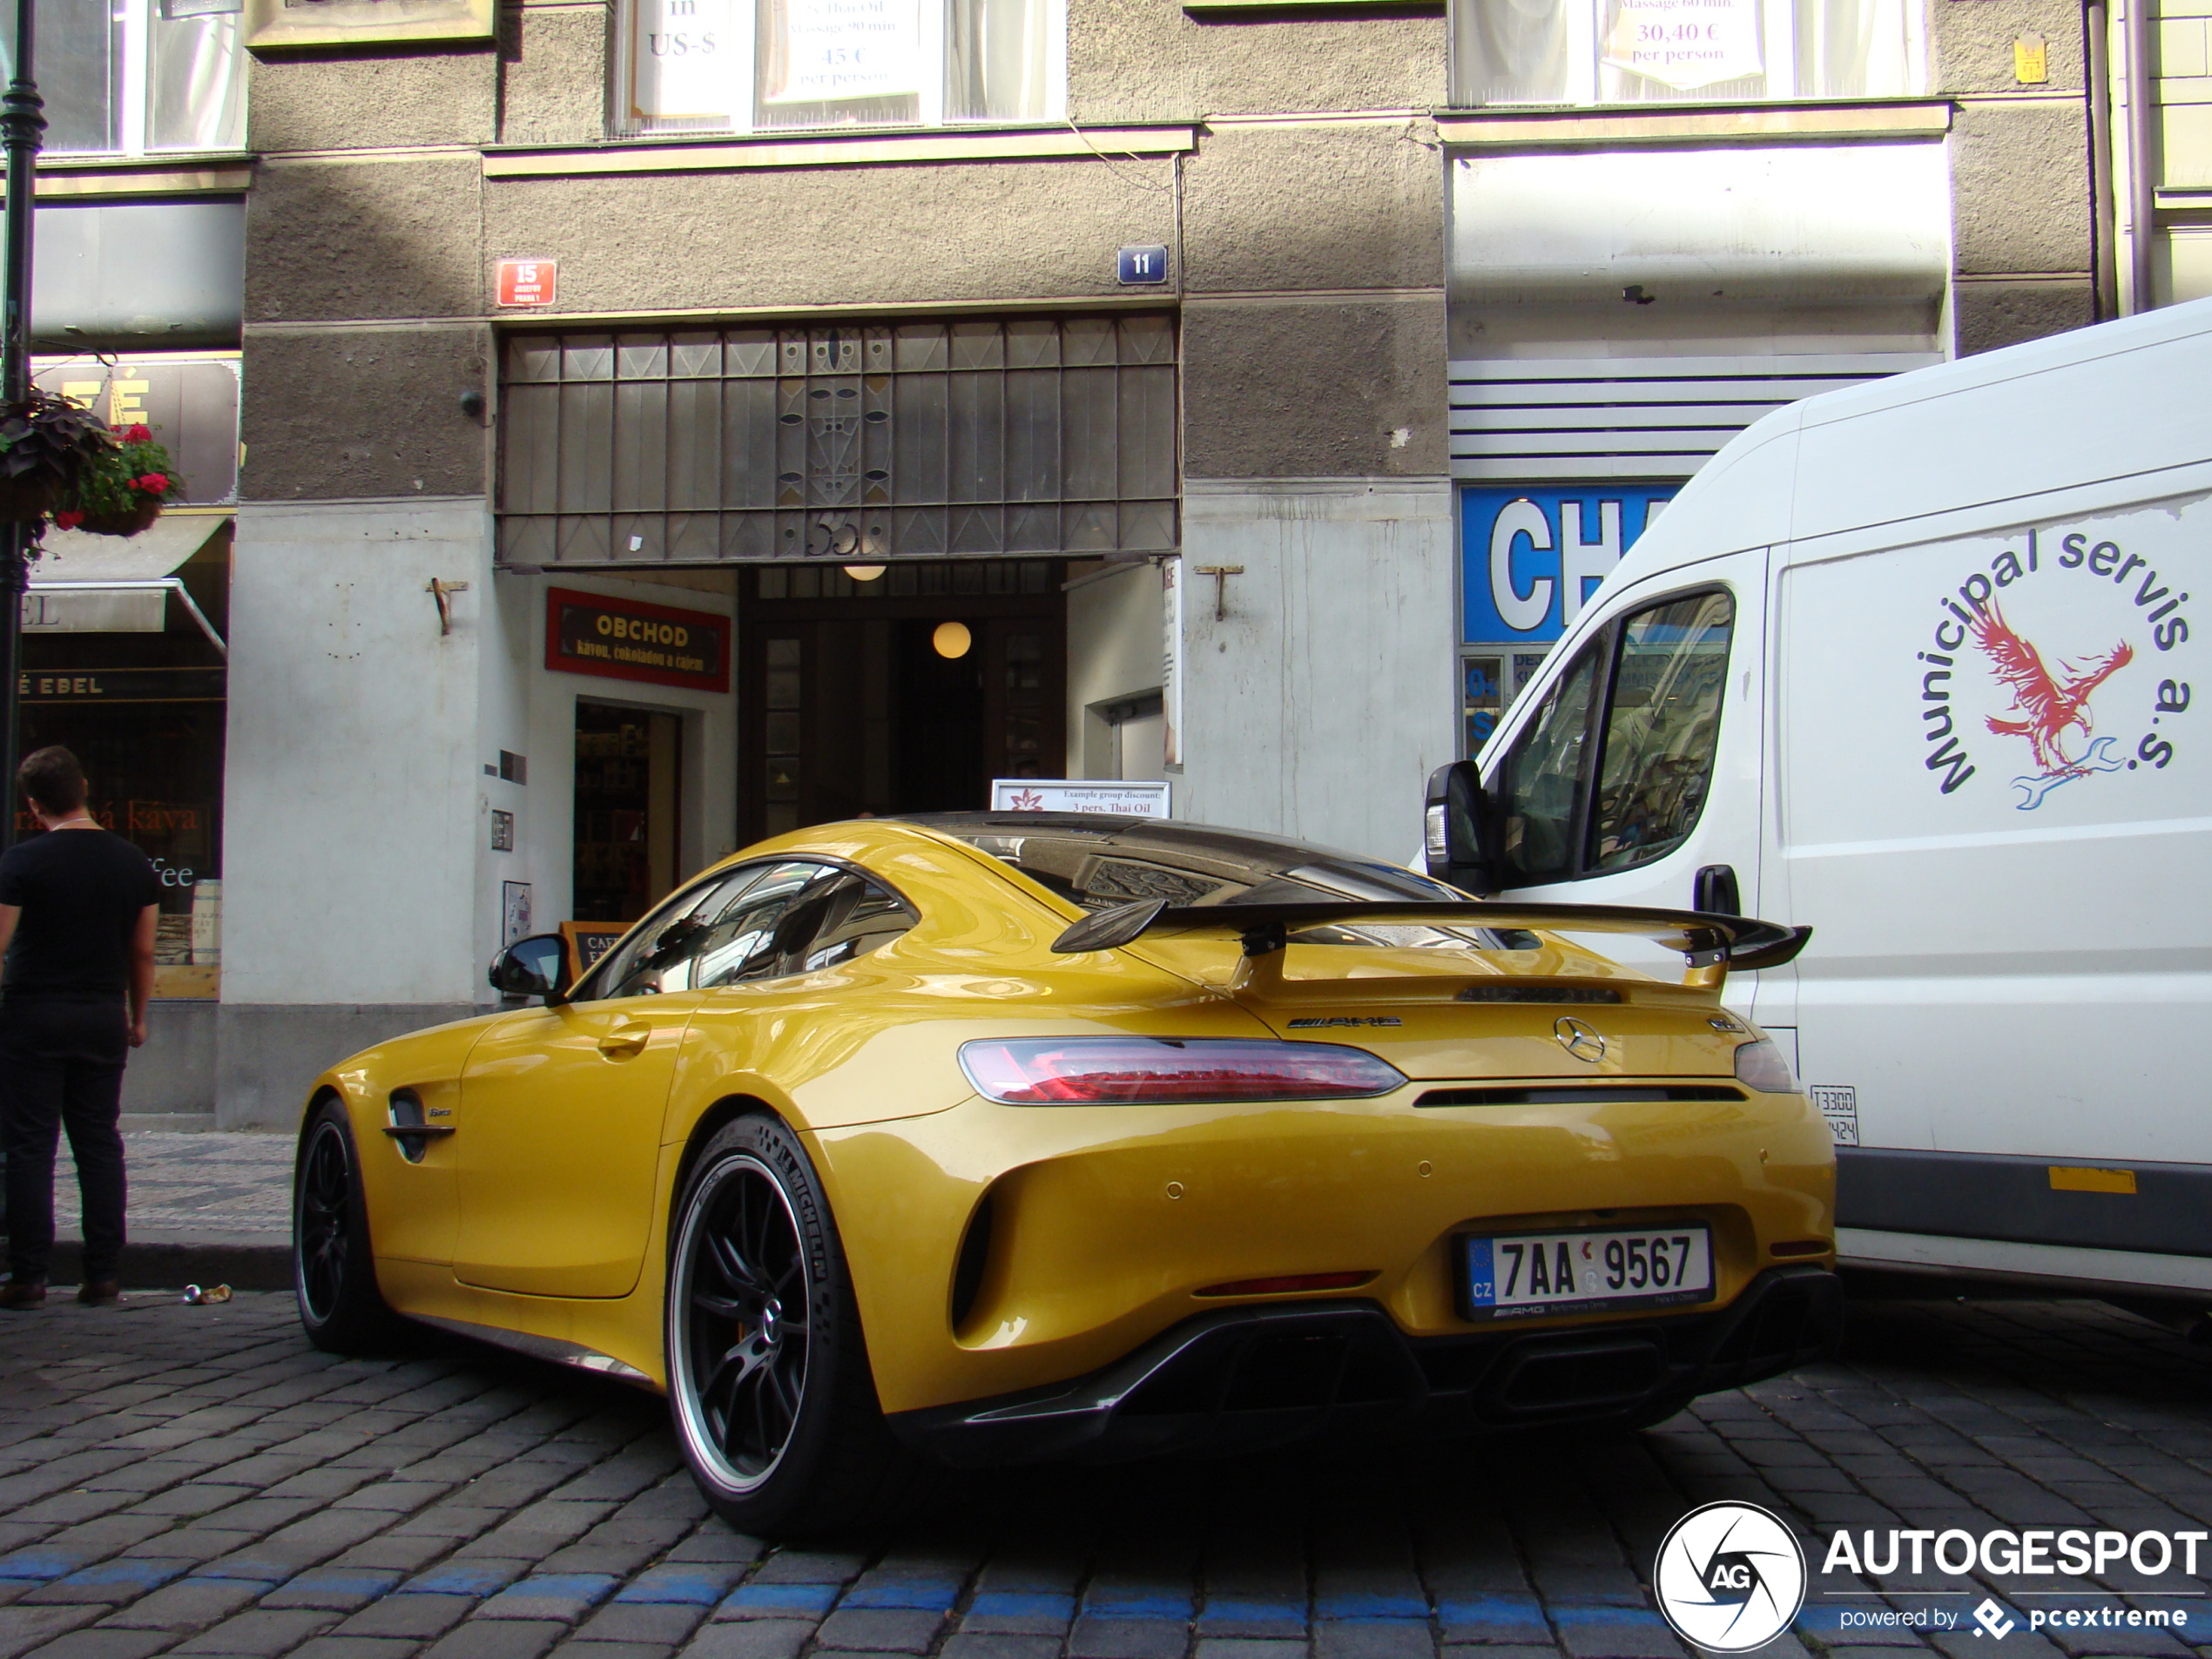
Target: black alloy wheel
{"type": "Point", "coordinates": [748, 1351]}
{"type": "Point", "coordinates": [333, 1275]}
{"type": "Point", "coordinates": [769, 1385]}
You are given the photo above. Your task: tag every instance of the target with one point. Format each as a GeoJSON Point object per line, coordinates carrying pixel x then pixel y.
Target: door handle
{"type": "Point", "coordinates": [626, 1043]}
{"type": "Point", "coordinates": [1714, 891]}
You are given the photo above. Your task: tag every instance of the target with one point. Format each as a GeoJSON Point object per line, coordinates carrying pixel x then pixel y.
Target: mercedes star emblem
{"type": "Point", "coordinates": [1579, 1038]}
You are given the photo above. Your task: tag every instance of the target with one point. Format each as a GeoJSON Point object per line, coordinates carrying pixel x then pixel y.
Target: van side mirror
{"type": "Point", "coordinates": [537, 965]}
{"type": "Point", "coordinates": [1453, 826]}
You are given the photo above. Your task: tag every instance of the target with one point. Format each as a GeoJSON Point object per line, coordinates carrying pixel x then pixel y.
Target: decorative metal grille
{"type": "Point", "coordinates": [854, 442]}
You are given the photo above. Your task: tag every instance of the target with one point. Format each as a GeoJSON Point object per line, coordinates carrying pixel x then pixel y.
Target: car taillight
{"type": "Point", "coordinates": [1760, 1064]}
{"type": "Point", "coordinates": [1131, 1071]}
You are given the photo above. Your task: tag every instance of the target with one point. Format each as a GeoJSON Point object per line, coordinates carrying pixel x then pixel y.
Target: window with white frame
{"type": "Point", "coordinates": [751, 65]}
{"type": "Point", "coordinates": [131, 76]}
{"type": "Point", "coordinates": [1667, 52]}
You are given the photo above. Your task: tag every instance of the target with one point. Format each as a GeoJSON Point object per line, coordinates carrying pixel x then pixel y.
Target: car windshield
{"type": "Point", "coordinates": [1100, 861]}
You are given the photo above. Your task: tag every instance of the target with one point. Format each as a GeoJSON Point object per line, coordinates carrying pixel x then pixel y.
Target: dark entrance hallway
{"type": "Point", "coordinates": [908, 692]}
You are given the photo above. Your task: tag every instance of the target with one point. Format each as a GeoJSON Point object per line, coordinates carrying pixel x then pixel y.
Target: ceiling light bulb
{"type": "Point", "coordinates": [863, 572]}
{"type": "Point", "coordinates": [951, 639]}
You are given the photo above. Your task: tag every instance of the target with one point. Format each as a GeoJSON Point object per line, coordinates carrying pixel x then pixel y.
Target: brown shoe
{"type": "Point", "coordinates": [99, 1293]}
{"type": "Point", "coordinates": [23, 1294]}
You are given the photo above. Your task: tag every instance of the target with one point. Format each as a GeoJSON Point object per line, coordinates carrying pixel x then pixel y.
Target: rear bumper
{"type": "Point", "coordinates": [1253, 1377]}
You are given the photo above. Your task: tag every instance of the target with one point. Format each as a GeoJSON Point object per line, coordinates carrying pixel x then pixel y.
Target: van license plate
{"type": "Point", "coordinates": [1520, 1276]}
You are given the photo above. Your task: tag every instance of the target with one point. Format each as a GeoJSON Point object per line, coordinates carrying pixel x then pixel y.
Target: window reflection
{"type": "Point", "coordinates": [759, 921]}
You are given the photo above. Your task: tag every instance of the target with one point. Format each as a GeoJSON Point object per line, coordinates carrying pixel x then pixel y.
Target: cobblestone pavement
{"type": "Point", "coordinates": [199, 1480]}
{"type": "Point", "coordinates": [214, 1183]}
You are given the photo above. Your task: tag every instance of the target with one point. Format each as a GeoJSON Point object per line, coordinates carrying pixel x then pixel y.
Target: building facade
{"type": "Point", "coordinates": [668, 421]}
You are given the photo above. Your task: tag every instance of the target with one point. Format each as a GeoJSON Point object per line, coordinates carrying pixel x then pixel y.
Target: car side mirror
{"type": "Point", "coordinates": [537, 965]}
{"type": "Point", "coordinates": [1451, 826]}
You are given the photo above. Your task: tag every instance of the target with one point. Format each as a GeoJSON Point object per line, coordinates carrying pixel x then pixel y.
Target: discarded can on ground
{"type": "Point", "coordinates": [199, 1298]}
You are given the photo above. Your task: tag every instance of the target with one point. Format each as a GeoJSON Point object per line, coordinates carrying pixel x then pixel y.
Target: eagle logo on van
{"type": "Point", "coordinates": [2049, 706]}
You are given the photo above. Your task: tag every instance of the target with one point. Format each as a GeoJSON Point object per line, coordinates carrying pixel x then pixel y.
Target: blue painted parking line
{"type": "Point", "coordinates": [138, 1572]}
{"type": "Point", "coordinates": [1144, 1606]}
{"type": "Point", "coordinates": [1600, 1616]}
{"type": "Point", "coordinates": [1252, 1610]}
{"type": "Point", "coordinates": [1361, 1605]}
{"type": "Point", "coordinates": [40, 1565]}
{"type": "Point", "coordinates": [1021, 1604]}
{"type": "Point", "coordinates": [923, 1595]}
{"type": "Point", "coordinates": [464, 1580]}
{"type": "Point", "coordinates": [591, 1589]}
{"type": "Point", "coordinates": [258, 1569]}
{"type": "Point", "coordinates": [258, 1586]}
{"type": "Point", "coordinates": [337, 1581]}
{"type": "Point", "coordinates": [676, 1587]}
{"type": "Point", "coordinates": [1489, 1613]}
{"type": "Point", "coordinates": [794, 1599]}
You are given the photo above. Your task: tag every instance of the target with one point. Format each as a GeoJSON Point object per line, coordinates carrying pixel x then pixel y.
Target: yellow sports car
{"type": "Point", "coordinates": [1024, 1136]}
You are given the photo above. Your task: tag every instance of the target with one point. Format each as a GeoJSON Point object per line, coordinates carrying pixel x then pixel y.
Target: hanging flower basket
{"type": "Point", "coordinates": [123, 492]}
{"type": "Point", "coordinates": [129, 523]}
{"type": "Point", "coordinates": [47, 445]}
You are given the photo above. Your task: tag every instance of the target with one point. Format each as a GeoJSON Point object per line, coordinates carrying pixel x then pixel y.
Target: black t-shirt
{"type": "Point", "coordinates": [80, 891]}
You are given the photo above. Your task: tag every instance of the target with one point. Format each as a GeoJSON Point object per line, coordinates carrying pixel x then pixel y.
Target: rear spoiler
{"type": "Point", "coordinates": [1707, 940]}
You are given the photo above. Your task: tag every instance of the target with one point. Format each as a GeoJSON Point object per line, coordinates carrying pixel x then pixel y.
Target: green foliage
{"type": "Point", "coordinates": [48, 440]}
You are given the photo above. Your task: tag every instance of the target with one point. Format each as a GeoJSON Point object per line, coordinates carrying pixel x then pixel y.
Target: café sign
{"type": "Point", "coordinates": [622, 639]}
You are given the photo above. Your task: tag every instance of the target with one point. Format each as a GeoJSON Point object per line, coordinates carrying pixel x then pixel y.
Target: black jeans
{"type": "Point", "coordinates": [61, 1065]}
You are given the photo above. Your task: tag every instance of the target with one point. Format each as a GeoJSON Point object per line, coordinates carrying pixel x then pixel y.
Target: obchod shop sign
{"type": "Point", "coordinates": [588, 633]}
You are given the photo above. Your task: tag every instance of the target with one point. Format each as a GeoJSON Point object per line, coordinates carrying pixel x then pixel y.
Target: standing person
{"type": "Point", "coordinates": [78, 908]}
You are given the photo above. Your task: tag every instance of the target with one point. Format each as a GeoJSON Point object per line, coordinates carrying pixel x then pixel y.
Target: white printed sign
{"type": "Point", "coordinates": [1079, 795]}
{"type": "Point", "coordinates": [684, 61]}
{"type": "Point", "coordinates": [1686, 43]}
{"type": "Point", "coordinates": [1838, 1104]}
{"type": "Point", "coordinates": [848, 49]}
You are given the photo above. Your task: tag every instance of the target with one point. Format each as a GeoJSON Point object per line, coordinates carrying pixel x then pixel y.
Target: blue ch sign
{"type": "Point", "coordinates": [1531, 558]}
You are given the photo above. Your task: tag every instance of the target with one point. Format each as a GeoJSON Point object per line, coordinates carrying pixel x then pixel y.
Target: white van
{"type": "Point", "coordinates": [1914, 664]}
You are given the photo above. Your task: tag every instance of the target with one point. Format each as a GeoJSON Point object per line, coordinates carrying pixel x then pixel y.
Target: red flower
{"type": "Point", "coordinates": [138, 434]}
{"type": "Point", "coordinates": [68, 521]}
{"type": "Point", "coordinates": [153, 484]}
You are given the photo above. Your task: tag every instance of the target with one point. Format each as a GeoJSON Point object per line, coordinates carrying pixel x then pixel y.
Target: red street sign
{"type": "Point", "coordinates": [526, 282]}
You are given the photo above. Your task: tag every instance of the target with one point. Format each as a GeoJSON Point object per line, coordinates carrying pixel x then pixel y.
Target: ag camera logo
{"type": "Point", "coordinates": [1730, 1577]}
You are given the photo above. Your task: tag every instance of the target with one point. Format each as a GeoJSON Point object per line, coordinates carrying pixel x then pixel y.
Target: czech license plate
{"type": "Point", "coordinates": [1526, 1275]}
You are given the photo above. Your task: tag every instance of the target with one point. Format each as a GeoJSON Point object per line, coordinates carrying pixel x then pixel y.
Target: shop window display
{"type": "Point", "coordinates": [628, 784]}
{"type": "Point", "coordinates": [144, 712]}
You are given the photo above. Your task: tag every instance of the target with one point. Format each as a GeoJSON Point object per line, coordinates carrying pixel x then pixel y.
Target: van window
{"type": "Point", "coordinates": [1542, 779]}
{"type": "Point", "coordinates": [1662, 727]}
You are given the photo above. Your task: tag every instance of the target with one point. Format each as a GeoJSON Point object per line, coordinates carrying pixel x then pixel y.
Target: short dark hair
{"type": "Point", "coordinates": [52, 779]}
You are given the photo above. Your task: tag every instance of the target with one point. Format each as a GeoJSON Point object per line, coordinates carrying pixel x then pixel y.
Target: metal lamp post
{"type": "Point", "coordinates": [22, 119]}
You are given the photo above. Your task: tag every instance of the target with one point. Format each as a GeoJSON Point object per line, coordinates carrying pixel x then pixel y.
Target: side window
{"type": "Point", "coordinates": [855, 916]}
{"type": "Point", "coordinates": [731, 917]}
{"type": "Point", "coordinates": [1661, 729]}
{"type": "Point", "coordinates": [1542, 778]}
